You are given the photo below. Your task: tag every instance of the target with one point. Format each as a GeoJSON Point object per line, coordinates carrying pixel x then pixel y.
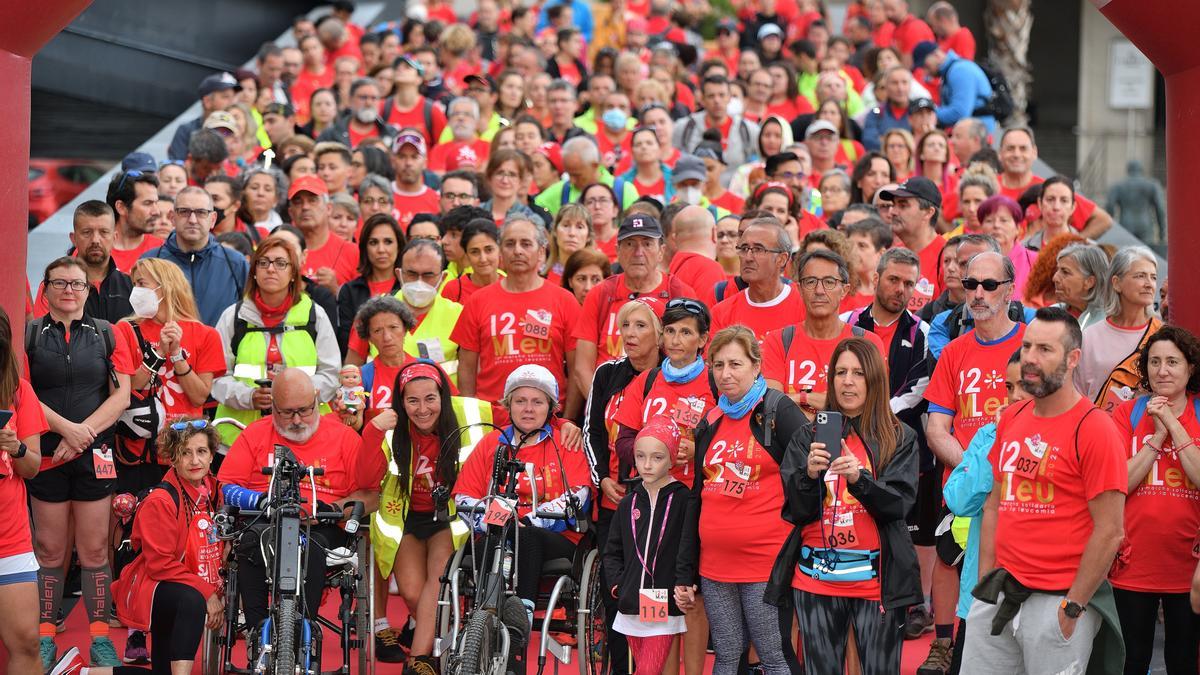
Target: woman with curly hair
{"type": "Point", "coordinates": [1040, 289]}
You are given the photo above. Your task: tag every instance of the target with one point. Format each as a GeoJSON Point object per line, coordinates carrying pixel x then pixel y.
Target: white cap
{"type": "Point", "coordinates": [820, 125]}
{"type": "Point", "coordinates": [530, 375]}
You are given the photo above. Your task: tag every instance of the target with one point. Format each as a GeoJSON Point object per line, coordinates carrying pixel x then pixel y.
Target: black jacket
{"type": "Point", "coordinates": [323, 297]}
{"type": "Point", "coordinates": [610, 379]}
{"type": "Point", "coordinates": [353, 294]}
{"type": "Point", "coordinates": [340, 131]}
{"type": "Point", "coordinates": [772, 435]}
{"type": "Point", "coordinates": [887, 497]}
{"type": "Point", "coordinates": [111, 301]}
{"type": "Point", "coordinates": [668, 556]}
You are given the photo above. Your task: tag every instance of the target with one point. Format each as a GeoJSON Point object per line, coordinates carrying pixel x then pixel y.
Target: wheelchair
{"type": "Point", "coordinates": [288, 643]}
{"type": "Point", "coordinates": [477, 605]}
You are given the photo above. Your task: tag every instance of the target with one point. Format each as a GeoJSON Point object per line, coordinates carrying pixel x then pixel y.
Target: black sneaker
{"type": "Point", "coordinates": [387, 646]}
{"type": "Point", "coordinates": [421, 665]}
{"type": "Point", "coordinates": [405, 636]}
{"type": "Point", "coordinates": [136, 653]}
{"type": "Point", "coordinates": [918, 623]}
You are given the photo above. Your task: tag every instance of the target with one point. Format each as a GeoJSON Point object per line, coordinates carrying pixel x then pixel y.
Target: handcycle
{"type": "Point", "coordinates": [481, 621]}
{"type": "Point", "coordinates": [288, 643]}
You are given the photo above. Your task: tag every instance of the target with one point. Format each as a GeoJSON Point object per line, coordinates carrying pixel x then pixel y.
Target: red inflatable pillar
{"type": "Point", "coordinates": [24, 28]}
{"type": "Point", "coordinates": [1162, 29]}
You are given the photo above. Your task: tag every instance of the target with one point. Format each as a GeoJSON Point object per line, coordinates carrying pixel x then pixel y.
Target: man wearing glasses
{"type": "Point", "coordinates": [796, 357]}
{"type": "Point", "coordinates": [316, 441]}
{"type": "Point", "coordinates": [217, 274]}
{"type": "Point", "coordinates": [767, 303]}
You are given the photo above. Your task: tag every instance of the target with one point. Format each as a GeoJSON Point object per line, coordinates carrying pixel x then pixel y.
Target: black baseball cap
{"type": "Point", "coordinates": [917, 186]}
{"type": "Point", "coordinates": [640, 225]}
{"type": "Point", "coordinates": [218, 82]}
{"type": "Point", "coordinates": [486, 80]}
{"type": "Point", "coordinates": [919, 104]}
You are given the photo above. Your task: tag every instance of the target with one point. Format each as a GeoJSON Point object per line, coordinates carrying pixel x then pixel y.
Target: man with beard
{"type": "Point", "coordinates": [1054, 520]}
{"type": "Point", "coordinates": [315, 440]}
{"type": "Point", "coordinates": [914, 213]}
{"type": "Point", "coordinates": [467, 150]}
{"type": "Point", "coordinates": [519, 320]}
{"type": "Point", "coordinates": [93, 229]}
{"type": "Point", "coordinates": [965, 393]}
{"type": "Point", "coordinates": [362, 120]}
{"type": "Point", "coordinates": [133, 198]}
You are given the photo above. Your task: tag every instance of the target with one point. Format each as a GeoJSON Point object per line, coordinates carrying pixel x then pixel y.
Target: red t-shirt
{"type": "Point", "coordinates": [459, 289]}
{"type": "Point", "coordinates": [337, 254]}
{"type": "Point", "coordinates": [1162, 514]}
{"type": "Point", "coordinates": [909, 32]}
{"type": "Point", "coordinates": [125, 258]}
{"type": "Point", "coordinates": [790, 110]}
{"type": "Point", "coordinates": [415, 117]}
{"type": "Point", "coordinates": [349, 48]}
{"type": "Point", "coordinates": [613, 154]}
{"type": "Point", "coordinates": [856, 301]}
{"type": "Point", "coordinates": [1084, 207]}
{"type": "Point", "coordinates": [424, 460]}
{"type": "Point", "coordinates": [381, 287]}
{"type": "Point", "coordinates": [844, 525]}
{"type": "Point", "coordinates": [929, 286]}
{"type": "Point", "coordinates": [810, 223]}
{"type": "Point", "coordinates": [760, 318]}
{"type": "Point", "coordinates": [28, 420]}
{"type": "Point", "coordinates": [729, 202]}
{"type": "Point", "coordinates": [568, 71]}
{"type": "Point", "coordinates": [553, 479]}
{"type": "Point", "coordinates": [502, 328]}
{"type": "Point", "coordinates": [457, 154]}
{"type": "Point", "coordinates": [334, 447]}
{"type": "Point", "coordinates": [409, 205]}
{"type": "Point", "coordinates": [302, 90]}
{"type": "Point", "coordinates": [805, 366]}
{"type": "Point", "coordinates": [356, 137]}
{"type": "Point", "coordinates": [727, 552]}
{"type": "Point", "coordinates": [382, 380]}
{"type": "Point", "coordinates": [882, 34]}
{"type": "Point", "coordinates": [968, 381]}
{"type": "Point", "coordinates": [962, 42]}
{"type": "Point", "coordinates": [1044, 523]}
{"type": "Point", "coordinates": [702, 274]}
{"type": "Point", "coordinates": [656, 190]}
{"type": "Point", "coordinates": [608, 247]}
{"type": "Point", "coordinates": [686, 403]}
{"type": "Point", "coordinates": [598, 322]}
{"type": "Point", "coordinates": [886, 333]}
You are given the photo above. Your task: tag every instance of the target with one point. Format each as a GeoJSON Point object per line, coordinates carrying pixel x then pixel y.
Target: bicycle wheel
{"type": "Point", "coordinates": [283, 640]}
{"type": "Point", "coordinates": [592, 622]}
{"type": "Point", "coordinates": [479, 646]}
{"type": "Point", "coordinates": [364, 598]}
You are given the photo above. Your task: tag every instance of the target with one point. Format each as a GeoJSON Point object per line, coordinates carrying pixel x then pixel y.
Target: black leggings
{"type": "Point", "coordinates": [1139, 614]}
{"type": "Point", "coordinates": [824, 624]}
{"type": "Point", "coordinates": [536, 546]}
{"type": "Point", "coordinates": [176, 628]}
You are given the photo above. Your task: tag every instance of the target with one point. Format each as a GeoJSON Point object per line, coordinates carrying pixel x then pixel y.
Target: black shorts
{"type": "Point", "coordinates": [74, 481]}
{"type": "Point", "coordinates": [133, 478]}
{"type": "Point", "coordinates": [421, 525]}
{"type": "Point", "coordinates": [924, 517]}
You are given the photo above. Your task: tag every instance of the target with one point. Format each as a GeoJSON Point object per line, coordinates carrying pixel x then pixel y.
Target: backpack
{"type": "Point", "coordinates": [241, 327]}
{"type": "Point", "coordinates": [104, 328]}
{"type": "Point", "coordinates": [427, 110]}
{"type": "Point", "coordinates": [1139, 410]}
{"type": "Point", "coordinates": [771, 400]}
{"type": "Point", "coordinates": [125, 553]}
{"type": "Point", "coordinates": [1124, 377]}
{"type": "Point", "coordinates": [1000, 105]}
{"type": "Point", "coordinates": [789, 333]}
{"type": "Point", "coordinates": [957, 319]}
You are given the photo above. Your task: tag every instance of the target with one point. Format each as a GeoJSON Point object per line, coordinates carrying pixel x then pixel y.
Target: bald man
{"type": "Point", "coordinates": [693, 238]}
{"type": "Point", "coordinates": [295, 421]}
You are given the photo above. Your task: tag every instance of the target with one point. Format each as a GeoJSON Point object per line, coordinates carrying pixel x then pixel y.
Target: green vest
{"type": "Point", "coordinates": [433, 335]}
{"type": "Point", "coordinates": [387, 524]}
{"type": "Point", "coordinates": [298, 348]}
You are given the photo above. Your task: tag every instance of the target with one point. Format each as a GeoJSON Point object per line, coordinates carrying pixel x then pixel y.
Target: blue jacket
{"type": "Point", "coordinates": [939, 328]}
{"type": "Point", "coordinates": [966, 491]}
{"type": "Point", "coordinates": [183, 135]}
{"type": "Point", "coordinates": [965, 88]}
{"type": "Point", "coordinates": [217, 274]}
{"type": "Point", "coordinates": [880, 121]}
{"type": "Point", "coordinates": [581, 13]}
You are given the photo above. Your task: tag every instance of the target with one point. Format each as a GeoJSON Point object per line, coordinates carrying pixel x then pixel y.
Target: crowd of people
{"type": "Point", "coordinates": [826, 370]}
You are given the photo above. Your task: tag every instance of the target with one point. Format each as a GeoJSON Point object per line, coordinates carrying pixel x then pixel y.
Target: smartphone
{"type": "Point", "coordinates": [829, 432]}
{"type": "Point", "coordinates": [5, 416]}
{"type": "Point", "coordinates": [264, 383]}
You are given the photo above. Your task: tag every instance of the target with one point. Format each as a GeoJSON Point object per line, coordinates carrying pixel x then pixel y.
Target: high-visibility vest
{"type": "Point", "coordinates": [387, 524]}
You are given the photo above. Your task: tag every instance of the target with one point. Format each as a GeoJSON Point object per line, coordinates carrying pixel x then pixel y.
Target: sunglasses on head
{"type": "Point", "coordinates": [989, 285]}
{"type": "Point", "coordinates": [184, 424]}
{"type": "Point", "coordinates": [126, 176]}
{"type": "Point", "coordinates": [690, 306]}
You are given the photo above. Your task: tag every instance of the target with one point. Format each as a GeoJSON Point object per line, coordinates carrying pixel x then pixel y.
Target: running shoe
{"type": "Point", "coordinates": [104, 653]}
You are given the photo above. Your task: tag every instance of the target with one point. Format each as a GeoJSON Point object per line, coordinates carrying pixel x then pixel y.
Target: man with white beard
{"type": "Point", "coordinates": [296, 422]}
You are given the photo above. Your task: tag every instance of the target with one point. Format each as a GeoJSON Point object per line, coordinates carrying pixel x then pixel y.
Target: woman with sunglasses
{"type": "Point", "coordinates": [419, 446]}
{"type": "Point", "coordinates": [680, 388]}
{"type": "Point", "coordinates": [174, 586]}
{"type": "Point", "coordinates": [274, 327]}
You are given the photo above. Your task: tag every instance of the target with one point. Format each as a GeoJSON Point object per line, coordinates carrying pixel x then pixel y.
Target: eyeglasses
{"type": "Point", "coordinates": [989, 285]}
{"type": "Point", "coordinates": [690, 306]}
{"type": "Point", "coordinates": [597, 201]}
{"type": "Point", "coordinates": [829, 283]}
{"type": "Point", "coordinates": [791, 175]}
{"type": "Point", "coordinates": [182, 425]}
{"type": "Point", "coordinates": [290, 413]}
{"type": "Point", "coordinates": [280, 264]}
{"type": "Point", "coordinates": [367, 201]}
{"type": "Point", "coordinates": [506, 175]}
{"type": "Point", "coordinates": [187, 214]}
{"type": "Point", "coordinates": [427, 277]}
{"type": "Point", "coordinates": [458, 196]}
{"type": "Point", "coordinates": [756, 250]}
{"type": "Point", "coordinates": [63, 284]}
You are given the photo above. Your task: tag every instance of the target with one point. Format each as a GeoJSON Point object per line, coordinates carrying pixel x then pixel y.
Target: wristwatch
{"type": "Point", "coordinates": [1072, 609]}
{"type": "Point", "coordinates": [21, 451]}
{"type": "Point", "coordinates": [181, 356]}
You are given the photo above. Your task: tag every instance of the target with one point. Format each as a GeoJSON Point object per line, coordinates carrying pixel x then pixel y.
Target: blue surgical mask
{"type": "Point", "coordinates": [614, 119]}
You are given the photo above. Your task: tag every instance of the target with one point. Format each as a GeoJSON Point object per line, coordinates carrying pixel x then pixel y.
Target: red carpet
{"type": "Point", "coordinates": [76, 635]}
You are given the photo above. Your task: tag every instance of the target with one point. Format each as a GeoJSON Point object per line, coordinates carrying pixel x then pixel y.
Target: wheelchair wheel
{"type": "Point", "coordinates": [480, 650]}
{"type": "Point", "coordinates": [211, 655]}
{"type": "Point", "coordinates": [592, 631]}
{"type": "Point", "coordinates": [283, 643]}
{"type": "Point", "coordinates": [364, 614]}
{"type": "Point", "coordinates": [446, 607]}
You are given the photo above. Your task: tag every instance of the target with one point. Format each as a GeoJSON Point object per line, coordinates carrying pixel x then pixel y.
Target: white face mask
{"type": "Point", "coordinates": [418, 293]}
{"type": "Point", "coordinates": [734, 107]}
{"type": "Point", "coordinates": [690, 195]}
{"type": "Point", "coordinates": [365, 115]}
{"type": "Point", "coordinates": [144, 302]}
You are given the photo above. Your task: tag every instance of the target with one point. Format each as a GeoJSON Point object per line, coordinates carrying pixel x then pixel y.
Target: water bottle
{"type": "Point", "coordinates": [507, 565]}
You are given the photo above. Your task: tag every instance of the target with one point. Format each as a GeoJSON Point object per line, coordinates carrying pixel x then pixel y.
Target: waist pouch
{"type": "Point", "coordinates": [838, 565]}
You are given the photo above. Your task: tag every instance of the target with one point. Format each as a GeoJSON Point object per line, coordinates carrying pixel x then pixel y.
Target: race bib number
{"type": "Point", "coordinates": [499, 512]}
{"type": "Point", "coordinates": [102, 463]}
{"type": "Point", "coordinates": [537, 324]}
{"type": "Point", "coordinates": [1030, 458]}
{"type": "Point", "coordinates": [688, 412]}
{"type": "Point", "coordinates": [1196, 546]}
{"type": "Point", "coordinates": [652, 605]}
{"type": "Point", "coordinates": [734, 484]}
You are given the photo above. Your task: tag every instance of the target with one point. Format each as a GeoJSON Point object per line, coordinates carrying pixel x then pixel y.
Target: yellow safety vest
{"type": "Point", "coordinates": [296, 345]}
{"type": "Point", "coordinates": [433, 335]}
{"type": "Point", "coordinates": [387, 524]}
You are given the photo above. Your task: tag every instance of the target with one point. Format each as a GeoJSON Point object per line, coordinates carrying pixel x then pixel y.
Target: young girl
{"type": "Point", "coordinates": [644, 562]}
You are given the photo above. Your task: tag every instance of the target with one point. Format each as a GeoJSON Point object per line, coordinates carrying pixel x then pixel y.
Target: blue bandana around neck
{"type": "Point", "coordinates": [682, 375]}
{"type": "Point", "coordinates": [510, 435]}
{"type": "Point", "coordinates": [743, 407]}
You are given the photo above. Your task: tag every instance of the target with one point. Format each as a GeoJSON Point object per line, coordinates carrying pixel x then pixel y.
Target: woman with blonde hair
{"type": "Point", "coordinates": [901, 150]}
{"type": "Point", "coordinates": [572, 231]}
{"type": "Point", "coordinates": [248, 124]}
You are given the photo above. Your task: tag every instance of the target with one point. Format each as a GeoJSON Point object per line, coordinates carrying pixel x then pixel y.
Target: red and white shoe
{"type": "Point", "coordinates": [71, 663]}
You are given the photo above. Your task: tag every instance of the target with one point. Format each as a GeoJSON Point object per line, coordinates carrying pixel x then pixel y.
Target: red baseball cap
{"type": "Point", "coordinates": [552, 152]}
{"type": "Point", "coordinates": [308, 183]}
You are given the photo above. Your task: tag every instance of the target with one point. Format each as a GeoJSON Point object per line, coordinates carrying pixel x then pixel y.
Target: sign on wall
{"type": "Point", "coordinates": [1130, 77]}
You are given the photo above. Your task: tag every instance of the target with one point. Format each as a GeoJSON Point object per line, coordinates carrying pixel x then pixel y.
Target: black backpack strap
{"type": "Point", "coordinates": [719, 289]}
{"type": "Point", "coordinates": [770, 408]}
{"type": "Point", "coordinates": [651, 376]}
{"type": "Point", "coordinates": [32, 330]}
{"type": "Point", "coordinates": [857, 332]}
{"type": "Point", "coordinates": [105, 330]}
{"type": "Point", "coordinates": [388, 105]}
{"type": "Point", "coordinates": [428, 111]}
{"type": "Point", "coordinates": [239, 329]}
{"type": "Point", "coordinates": [787, 335]}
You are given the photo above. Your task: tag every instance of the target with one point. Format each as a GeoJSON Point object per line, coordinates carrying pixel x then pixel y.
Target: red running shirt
{"type": "Point", "coordinates": [1044, 523]}
{"type": "Point", "coordinates": [805, 366]}
{"type": "Point", "coordinates": [598, 321]}
{"type": "Point", "coordinates": [968, 381]}
{"type": "Point", "coordinates": [28, 420]}
{"type": "Point", "coordinates": [760, 318]}
{"type": "Point", "coordinates": [687, 404]}
{"type": "Point", "coordinates": [1162, 514]}
{"type": "Point", "coordinates": [337, 254]}
{"type": "Point", "coordinates": [334, 447]}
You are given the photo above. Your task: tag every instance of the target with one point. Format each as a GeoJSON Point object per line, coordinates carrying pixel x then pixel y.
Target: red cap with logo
{"type": "Point", "coordinates": [308, 183]}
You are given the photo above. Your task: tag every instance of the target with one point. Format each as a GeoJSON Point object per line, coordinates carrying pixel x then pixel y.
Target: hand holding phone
{"type": "Point", "coordinates": [829, 432]}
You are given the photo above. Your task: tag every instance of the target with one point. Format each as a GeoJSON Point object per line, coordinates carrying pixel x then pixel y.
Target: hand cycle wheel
{"type": "Point", "coordinates": [482, 650]}
{"type": "Point", "coordinates": [592, 619]}
{"type": "Point", "coordinates": [283, 640]}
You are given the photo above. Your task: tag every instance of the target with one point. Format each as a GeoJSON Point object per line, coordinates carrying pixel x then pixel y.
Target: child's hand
{"type": "Point", "coordinates": [685, 597]}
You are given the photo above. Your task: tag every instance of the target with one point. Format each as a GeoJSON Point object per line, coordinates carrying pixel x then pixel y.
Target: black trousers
{"type": "Point", "coordinates": [1139, 614]}
{"type": "Point", "coordinates": [177, 626]}
{"type": "Point", "coordinates": [252, 571]}
{"type": "Point", "coordinates": [618, 647]}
